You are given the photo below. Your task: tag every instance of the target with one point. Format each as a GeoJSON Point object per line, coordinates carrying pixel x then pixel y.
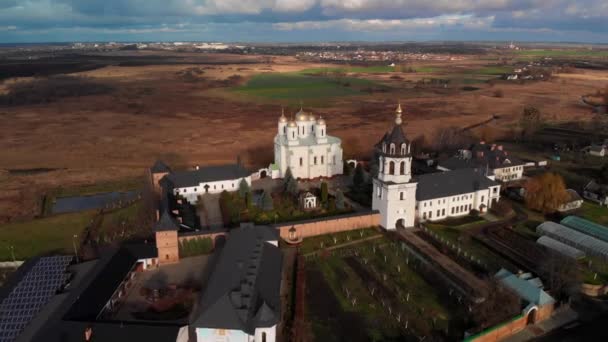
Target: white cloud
{"type": "Point", "coordinates": [467, 22]}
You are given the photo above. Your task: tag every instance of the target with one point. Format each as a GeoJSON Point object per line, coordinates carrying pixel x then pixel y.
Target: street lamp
{"type": "Point", "coordinates": [75, 250]}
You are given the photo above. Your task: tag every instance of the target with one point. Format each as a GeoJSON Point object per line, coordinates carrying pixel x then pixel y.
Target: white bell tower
{"type": "Point", "coordinates": [394, 193]}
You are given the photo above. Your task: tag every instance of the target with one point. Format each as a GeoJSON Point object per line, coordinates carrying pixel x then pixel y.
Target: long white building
{"type": "Point", "coordinates": [211, 179]}
{"type": "Point", "coordinates": [304, 146]}
{"type": "Point", "coordinates": [402, 199]}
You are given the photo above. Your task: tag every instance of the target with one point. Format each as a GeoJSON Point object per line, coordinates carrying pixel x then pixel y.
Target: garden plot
{"type": "Point", "coordinates": [374, 291]}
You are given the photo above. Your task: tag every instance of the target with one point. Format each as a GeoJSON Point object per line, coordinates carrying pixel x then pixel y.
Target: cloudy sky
{"type": "Point", "coordinates": [302, 20]}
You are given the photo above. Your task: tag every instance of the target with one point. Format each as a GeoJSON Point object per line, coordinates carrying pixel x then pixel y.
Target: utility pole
{"type": "Point", "coordinates": [75, 250]}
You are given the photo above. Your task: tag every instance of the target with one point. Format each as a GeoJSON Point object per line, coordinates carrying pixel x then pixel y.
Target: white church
{"type": "Point", "coordinates": [304, 146]}
{"type": "Point", "coordinates": [402, 200]}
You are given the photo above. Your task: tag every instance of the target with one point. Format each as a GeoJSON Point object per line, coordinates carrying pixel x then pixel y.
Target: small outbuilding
{"type": "Point", "coordinates": [308, 201]}
{"type": "Point", "coordinates": [574, 201]}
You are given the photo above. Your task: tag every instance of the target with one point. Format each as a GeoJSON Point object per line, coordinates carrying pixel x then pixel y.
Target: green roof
{"type": "Point", "coordinates": [525, 288]}
{"type": "Point", "coordinates": [586, 227]}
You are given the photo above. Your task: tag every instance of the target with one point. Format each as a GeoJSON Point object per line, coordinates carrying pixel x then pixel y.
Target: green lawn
{"type": "Point", "coordinates": [320, 242]}
{"type": "Point", "coordinates": [493, 70]}
{"type": "Point", "coordinates": [50, 234]}
{"type": "Point", "coordinates": [427, 69]}
{"type": "Point", "coordinates": [295, 86]}
{"type": "Point", "coordinates": [594, 212]}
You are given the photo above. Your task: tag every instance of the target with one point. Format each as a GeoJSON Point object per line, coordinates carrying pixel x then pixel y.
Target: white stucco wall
{"type": "Point", "coordinates": [328, 160]}
{"type": "Point", "coordinates": [437, 209]}
{"type": "Point", "coordinates": [510, 173]}
{"type": "Point", "coordinates": [227, 335]}
{"type": "Point", "coordinates": [191, 193]}
{"type": "Point", "coordinates": [387, 199]}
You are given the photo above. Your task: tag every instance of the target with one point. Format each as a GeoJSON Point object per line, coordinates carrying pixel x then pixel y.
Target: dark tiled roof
{"type": "Point", "coordinates": [166, 223]}
{"type": "Point", "coordinates": [73, 331]}
{"type": "Point", "coordinates": [482, 156]}
{"type": "Point", "coordinates": [451, 183]}
{"type": "Point", "coordinates": [183, 179]}
{"type": "Point", "coordinates": [573, 195]}
{"type": "Point", "coordinates": [395, 136]}
{"type": "Point", "coordinates": [160, 167]}
{"type": "Point", "coordinates": [112, 269]}
{"type": "Point", "coordinates": [244, 289]}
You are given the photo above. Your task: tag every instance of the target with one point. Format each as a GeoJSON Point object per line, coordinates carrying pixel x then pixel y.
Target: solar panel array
{"type": "Point", "coordinates": [586, 227]}
{"type": "Point", "coordinates": [34, 290]}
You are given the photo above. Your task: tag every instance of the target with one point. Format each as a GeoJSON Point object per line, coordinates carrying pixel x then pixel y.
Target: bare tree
{"type": "Point", "coordinates": [562, 275]}
{"type": "Point", "coordinates": [500, 304]}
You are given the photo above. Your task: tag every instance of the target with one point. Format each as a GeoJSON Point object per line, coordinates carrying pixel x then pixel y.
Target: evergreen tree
{"type": "Point", "coordinates": [287, 178]}
{"type": "Point", "coordinates": [292, 187]}
{"type": "Point", "coordinates": [267, 203]}
{"type": "Point", "coordinates": [359, 178]}
{"type": "Point", "coordinates": [243, 188]}
{"type": "Point", "coordinates": [339, 200]}
{"type": "Point", "coordinates": [324, 194]}
{"type": "Point", "coordinates": [249, 199]}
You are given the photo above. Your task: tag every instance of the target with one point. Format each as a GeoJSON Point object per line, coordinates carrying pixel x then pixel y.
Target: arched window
{"type": "Point", "coordinates": [293, 134]}
{"type": "Point", "coordinates": [284, 129]}
{"type": "Point", "coordinates": [384, 147]}
{"type": "Point", "coordinates": [403, 149]}
{"type": "Point", "coordinates": [381, 165]}
{"type": "Point", "coordinates": [402, 168]}
{"type": "Point", "coordinates": [263, 337]}
{"type": "Point", "coordinates": [391, 168]}
{"type": "Point", "coordinates": [301, 162]}
{"type": "Point", "coordinates": [322, 132]}
{"type": "Point", "coordinates": [392, 150]}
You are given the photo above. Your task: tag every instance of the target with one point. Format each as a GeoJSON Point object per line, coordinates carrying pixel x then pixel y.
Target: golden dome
{"type": "Point", "coordinates": [301, 116]}
{"type": "Point", "coordinates": [311, 117]}
{"type": "Point", "coordinates": [399, 108]}
{"type": "Point", "coordinates": [282, 118]}
{"type": "Point", "coordinates": [292, 124]}
{"type": "Point", "coordinates": [321, 121]}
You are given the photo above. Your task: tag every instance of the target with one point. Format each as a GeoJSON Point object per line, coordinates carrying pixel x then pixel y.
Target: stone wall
{"type": "Point", "coordinates": [203, 234]}
{"type": "Point", "coordinates": [500, 331]}
{"type": "Point", "coordinates": [515, 325]}
{"type": "Point", "coordinates": [328, 225]}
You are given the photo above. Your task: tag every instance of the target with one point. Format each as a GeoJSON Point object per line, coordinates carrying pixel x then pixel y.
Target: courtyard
{"type": "Point", "coordinates": [168, 293]}
{"type": "Point", "coordinates": [376, 291]}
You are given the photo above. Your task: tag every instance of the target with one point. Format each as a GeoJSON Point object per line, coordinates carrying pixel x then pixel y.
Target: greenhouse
{"type": "Point", "coordinates": [573, 238]}
{"type": "Point", "coordinates": [560, 247]}
{"type": "Point", "coordinates": [586, 227]}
